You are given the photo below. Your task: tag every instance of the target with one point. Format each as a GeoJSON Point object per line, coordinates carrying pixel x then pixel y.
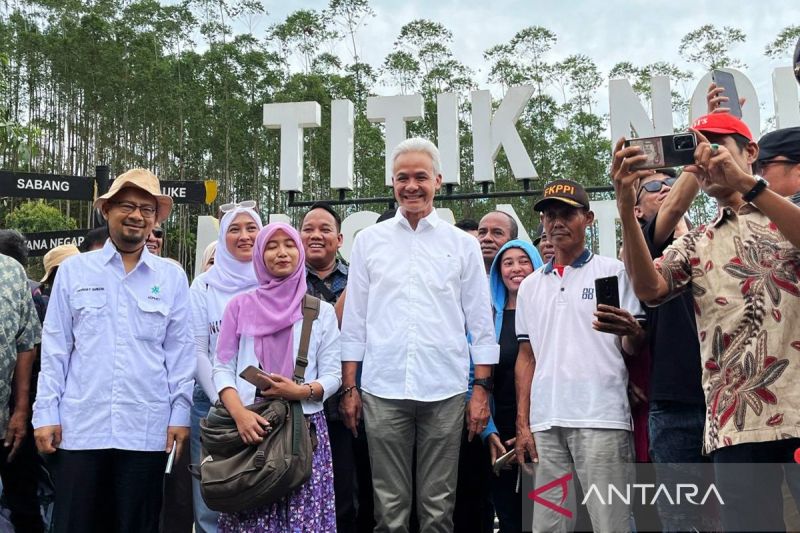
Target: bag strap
{"type": "Point", "coordinates": [310, 313]}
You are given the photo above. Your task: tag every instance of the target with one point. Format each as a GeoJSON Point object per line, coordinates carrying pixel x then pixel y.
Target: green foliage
{"type": "Point", "coordinates": [784, 43]}
{"type": "Point", "coordinates": [171, 86]}
{"type": "Point", "coordinates": [710, 46]}
{"type": "Point", "coordinates": [31, 217]}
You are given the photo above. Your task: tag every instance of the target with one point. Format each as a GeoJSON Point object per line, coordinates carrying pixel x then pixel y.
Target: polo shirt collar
{"type": "Point", "coordinates": [584, 258]}
{"type": "Point", "coordinates": [727, 213]}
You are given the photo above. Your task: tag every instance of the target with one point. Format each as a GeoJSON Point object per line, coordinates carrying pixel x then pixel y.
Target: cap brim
{"type": "Point", "coordinates": [538, 206]}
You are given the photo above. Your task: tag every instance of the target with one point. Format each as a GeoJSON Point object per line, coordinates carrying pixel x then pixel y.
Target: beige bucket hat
{"type": "Point", "coordinates": [56, 256]}
{"type": "Point", "coordinates": [145, 180]}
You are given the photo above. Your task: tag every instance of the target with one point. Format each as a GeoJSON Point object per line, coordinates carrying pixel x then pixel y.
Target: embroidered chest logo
{"type": "Point", "coordinates": [155, 289]}
{"type": "Point", "coordinates": [588, 293]}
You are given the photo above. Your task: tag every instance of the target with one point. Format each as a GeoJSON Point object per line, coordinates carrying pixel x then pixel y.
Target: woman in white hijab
{"type": "Point", "coordinates": [231, 274]}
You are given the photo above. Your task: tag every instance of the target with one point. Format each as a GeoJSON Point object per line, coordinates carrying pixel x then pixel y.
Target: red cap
{"type": "Point", "coordinates": [722, 123]}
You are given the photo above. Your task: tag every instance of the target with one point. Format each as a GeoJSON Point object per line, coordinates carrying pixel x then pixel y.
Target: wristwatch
{"type": "Point", "coordinates": [760, 185]}
{"type": "Point", "coordinates": [486, 383]}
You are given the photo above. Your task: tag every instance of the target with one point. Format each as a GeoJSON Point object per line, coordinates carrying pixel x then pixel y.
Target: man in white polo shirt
{"type": "Point", "coordinates": [118, 362]}
{"type": "Point", "coordinates": [573, 410]}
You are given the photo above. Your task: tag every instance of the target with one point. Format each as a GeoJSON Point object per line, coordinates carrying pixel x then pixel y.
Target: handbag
{"type": "Point", "coordinates": [235, 476]}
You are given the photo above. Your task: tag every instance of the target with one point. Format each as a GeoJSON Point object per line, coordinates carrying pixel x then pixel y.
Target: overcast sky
{"type": "Point", "coordinates": [608, 31]}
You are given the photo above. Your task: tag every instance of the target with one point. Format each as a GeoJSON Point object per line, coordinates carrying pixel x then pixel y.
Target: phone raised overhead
{"type": "Point", "coordinates": [666, 151]}
{"type": "Point", "coordinates": [725, 80]}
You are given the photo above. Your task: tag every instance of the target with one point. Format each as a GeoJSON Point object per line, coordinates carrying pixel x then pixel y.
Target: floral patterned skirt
{"type": "Point", "coordinates": [310, 508]}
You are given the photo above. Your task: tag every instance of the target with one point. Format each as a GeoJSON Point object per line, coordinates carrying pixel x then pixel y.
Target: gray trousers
{"type": "Point", "coordinates": [393, 428]}
{"type": "Point", "coordinates": [599, 457]}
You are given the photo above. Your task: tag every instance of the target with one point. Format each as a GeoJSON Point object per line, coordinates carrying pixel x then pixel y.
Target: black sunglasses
{"type": "Point", "coordinates": [656, 186]}
{"type": "Point", "coordinates": [158, 233]}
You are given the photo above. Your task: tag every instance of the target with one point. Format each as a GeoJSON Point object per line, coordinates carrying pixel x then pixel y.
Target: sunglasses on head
{"type": "Point", "coordinates": [158, 233]}
{"type": "Point", "coordinates": [247, 204]}
{"type": "Point", "coordinates": [656, 185]}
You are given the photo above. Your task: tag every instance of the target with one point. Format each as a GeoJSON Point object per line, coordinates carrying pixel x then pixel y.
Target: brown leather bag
{"type": "Point", "coordinates": [235, 476]}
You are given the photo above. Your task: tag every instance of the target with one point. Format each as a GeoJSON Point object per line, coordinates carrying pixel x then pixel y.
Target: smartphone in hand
{"type": "Point", "coordinates": [255, 376]}
{"type": "Point", "coordinates": [502, 461]}
{"type": "Point", "coordinates": [675, 150]}
{"type": "Point", "coordinates": [607, 291]}
{"type": "Point", "coordinates": [725, 80]}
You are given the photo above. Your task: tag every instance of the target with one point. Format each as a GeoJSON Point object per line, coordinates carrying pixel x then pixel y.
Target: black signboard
{"type": "Point", "coordinates": [42, 242]}
{"type": "Point", "coordinates": [190, 192]}
{"type": "Point", "coordinates": [48, 186]}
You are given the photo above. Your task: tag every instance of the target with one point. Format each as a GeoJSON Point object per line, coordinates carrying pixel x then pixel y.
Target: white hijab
{"type": "Point", "coordinates": [228, 274]}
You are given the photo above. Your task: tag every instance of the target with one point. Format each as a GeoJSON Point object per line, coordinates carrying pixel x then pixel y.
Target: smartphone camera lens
{"type": "Point", "coordinates": [683, 142]}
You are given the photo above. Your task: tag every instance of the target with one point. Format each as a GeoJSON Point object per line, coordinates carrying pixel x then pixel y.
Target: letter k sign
{"type": "Point", "coordinates": [562, 482]}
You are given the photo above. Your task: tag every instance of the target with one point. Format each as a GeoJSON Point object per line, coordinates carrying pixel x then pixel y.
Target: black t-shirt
{"type": "Point", "coordinates": [674, 348]}
{"type": "Point", "coordinates": [505, 396]}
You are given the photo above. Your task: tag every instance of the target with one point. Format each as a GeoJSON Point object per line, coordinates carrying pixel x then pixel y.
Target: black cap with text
{"type": "Point", "coordinates": [566, 191]}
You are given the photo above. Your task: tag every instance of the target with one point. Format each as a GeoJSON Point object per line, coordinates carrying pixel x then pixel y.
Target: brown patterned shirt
{"type": "Point", "coordinates": [745, 278]}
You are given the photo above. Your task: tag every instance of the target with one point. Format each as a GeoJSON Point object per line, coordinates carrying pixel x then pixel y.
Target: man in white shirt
{"type": "Point", "coordinates": [572, 403]}
{"type": "Point", "coordinates": [416, 286]}
{"type": "Point", "coordinates": [115, 386]}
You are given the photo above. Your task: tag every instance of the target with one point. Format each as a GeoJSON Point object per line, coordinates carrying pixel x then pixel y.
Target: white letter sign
{"type": "Point", "coordinates": [291, 118]}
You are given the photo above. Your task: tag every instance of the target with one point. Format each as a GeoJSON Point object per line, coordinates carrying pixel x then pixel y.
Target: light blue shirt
{"type": "Point", "coordinates": [117, 355]}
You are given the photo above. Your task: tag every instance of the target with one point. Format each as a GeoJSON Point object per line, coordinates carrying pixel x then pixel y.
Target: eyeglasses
{"type": "Point", "coordinates": [158, 233]}
{"type": "Point", "coordinates": [147, 211]}
{"type": "Point", "coordinates": [247, 204]}
{"type": "Point", "coordinates": [760, 166]}
{"type": "Point", "coordinates": [656, 186]}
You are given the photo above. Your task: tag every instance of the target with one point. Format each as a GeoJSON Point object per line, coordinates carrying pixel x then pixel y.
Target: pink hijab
{"type": "Point", "coordinates": [269, 312]}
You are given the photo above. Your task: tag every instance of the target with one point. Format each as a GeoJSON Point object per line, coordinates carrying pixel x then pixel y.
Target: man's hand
{"type": "Point", "coordinates": [16, 431]}
{"type": "Point", "coordinates": [625, 179]}
{"type": "Point", "coordinates": [525, 444]}
{"type": "Point", "coordinates": [720, 167]}
{"type": "Point", "coordinates": [477, 412]}
{"type": "Point", "coordinates": [636, 395]}
{"type": "Point", "coordinates": [177, 436]}
{"type": "Point", "coordinates": [615, 320]}
{"type": "Point", "coordinates": [350, 409]}
{"type": "Point", "coordinates": [48, 438]}
{"type": "Point", "coordinates": [715, 99]}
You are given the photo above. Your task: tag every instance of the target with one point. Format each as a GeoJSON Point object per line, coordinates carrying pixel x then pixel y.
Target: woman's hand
{"type": "Point", "coordinates": [251, 426]}
{"type": "Point", "coordinates": [277, 386]}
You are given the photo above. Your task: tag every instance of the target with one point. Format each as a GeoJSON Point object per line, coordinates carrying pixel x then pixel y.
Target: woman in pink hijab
{"type": "Point", "coordinates": [262, 328]}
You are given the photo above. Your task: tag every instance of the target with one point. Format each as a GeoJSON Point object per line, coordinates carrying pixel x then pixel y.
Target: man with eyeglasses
{"type": "Point", "coordinates": [115, 387]}
{"type": "Point", "coordinates": [779, 161]}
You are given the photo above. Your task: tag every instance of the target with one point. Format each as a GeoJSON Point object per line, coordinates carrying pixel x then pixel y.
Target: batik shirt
{"type": "Point", "coordinates": [744, 275]}
{"type": "Point", "coordinates": [19, 327]}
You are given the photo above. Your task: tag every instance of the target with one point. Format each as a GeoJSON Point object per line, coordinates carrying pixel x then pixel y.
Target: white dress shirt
{"type": "Point", "coordinates": [411, 298]}
{"type": "Point", "coordinates": [324, 363]}
{"type": "Point", "coordinates": [117, 354]}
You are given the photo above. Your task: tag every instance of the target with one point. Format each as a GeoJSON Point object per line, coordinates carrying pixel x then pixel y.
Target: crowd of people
{"type": "Point", "coordinates": [438, 351]}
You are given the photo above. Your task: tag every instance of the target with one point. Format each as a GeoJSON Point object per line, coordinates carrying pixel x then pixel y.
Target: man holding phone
{"type": "Point", "coordinates": [741, 269]}
{"type": "Point", "coordinates": [572, 382]}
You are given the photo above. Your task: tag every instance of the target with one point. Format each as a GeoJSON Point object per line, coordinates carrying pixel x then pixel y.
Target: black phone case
{"type": "Point", "coordinates": [607, 291]}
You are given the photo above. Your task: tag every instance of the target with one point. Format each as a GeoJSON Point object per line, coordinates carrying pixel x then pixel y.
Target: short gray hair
{"type": "Point", "coordinates": [418, 144]}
